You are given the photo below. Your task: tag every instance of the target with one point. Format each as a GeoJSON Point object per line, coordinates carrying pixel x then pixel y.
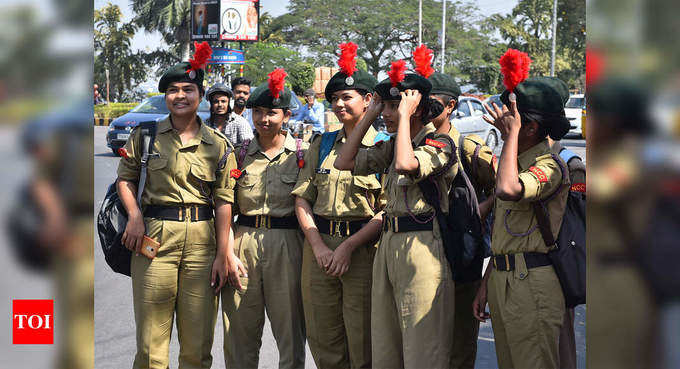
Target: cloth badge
{"type": "Point", "coordinates": [122, 152]}
{"type": "Point", "coordinates": [235, 173]}
{"type": "Point", "coordinates": [435, 143]}
{"type": "Point", "coordinates": [539, 173]}
{"type": "Point", "coordinates": [578, 187]}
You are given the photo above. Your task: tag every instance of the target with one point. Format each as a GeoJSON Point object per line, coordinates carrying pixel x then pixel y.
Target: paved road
{"type": "Point", "coordinates": [114, 319]}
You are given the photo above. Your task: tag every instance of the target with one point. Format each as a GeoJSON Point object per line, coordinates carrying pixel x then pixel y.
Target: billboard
{"type": "Point", "coordinates": [205, 15]}
{"type": "Point", "coordinates": [239, 20]}
{"type": "Point", "coordinates": [223, 55]}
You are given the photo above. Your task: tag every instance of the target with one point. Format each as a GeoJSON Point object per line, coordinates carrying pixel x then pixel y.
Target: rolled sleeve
{"type": "Point", "coordinates": [225, 183]}
{"type": "Point", "coordinates": [130, 166]}
{"type": "Point", "coordinates": [539, 182]}
{"type": "Point", "coordinates": [430, 160]}
{"type": "Point", "coordinates": [373, 159]}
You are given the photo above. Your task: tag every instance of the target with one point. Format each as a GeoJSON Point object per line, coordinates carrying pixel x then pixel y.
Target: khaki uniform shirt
{"type": "Point", "coordinates": [194, 173]}
{"type": "Point", "coordinates": [265, 185]}
{"type": "Point", "coordinates": [540, 176]}
{"type": "Point", "coordinates": [482, 171]}
{"type": "Point", "coordinates": [402, 191]}
{"type": "Point", "coordinates": [338, 194]}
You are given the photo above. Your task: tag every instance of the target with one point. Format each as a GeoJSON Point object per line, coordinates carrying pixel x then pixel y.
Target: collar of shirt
{"type": "Point", "coordinates": [427, 129]}
{"type": "Point", "coordinates": [288, 144]}
{"type": "Point", "coordinates": [367, 140]}
{"type": "Point", "coordinates": [528, 158]}
{"type": "Point", "coordinates": [203, 131]}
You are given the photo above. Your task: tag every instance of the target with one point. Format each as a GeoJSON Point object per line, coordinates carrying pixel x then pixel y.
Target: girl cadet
{"type": "Point", "coordinates": [335, 210]}
{"type": "Point", "coordinates": [268, 240]}
{"type": "Point", "coordinates": [188, 172]}
{"type": "Point", "coordinates": [525, 297]}
{"type": "Point", "coordinates": [413, 291]}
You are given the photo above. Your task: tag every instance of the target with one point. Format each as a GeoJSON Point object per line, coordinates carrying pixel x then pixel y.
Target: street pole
{"type": "Point", "coordinates": [554, 37]}
{"type": "Point", "coordinates": [420, 22]}
{"type": "Point", "coordinates": [107, 86]}
{"type": "Point", "coordinates": [443, 31]}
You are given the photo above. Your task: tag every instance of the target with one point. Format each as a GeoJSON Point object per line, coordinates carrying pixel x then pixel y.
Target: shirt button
{"type": "Point", "coordinates": [521, 275]}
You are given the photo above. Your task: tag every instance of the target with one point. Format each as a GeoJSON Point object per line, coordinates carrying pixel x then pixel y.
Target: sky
{"type": "Point", "coordinates": [151, 41]}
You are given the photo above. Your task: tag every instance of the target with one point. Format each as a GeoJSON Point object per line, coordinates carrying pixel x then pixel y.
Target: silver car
{"type": "Point", "coordinates": [467, 118]}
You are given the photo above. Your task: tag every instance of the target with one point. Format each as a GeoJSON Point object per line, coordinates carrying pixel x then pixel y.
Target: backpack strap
{"type": "Point", "coordinates": [242, 152]}
{"type": "Point", "coordinates": [148, 131]}
{"type": "Point", "coordinates": [567, 155]}
{"type": "Point", "coordinates": [327, 141]}
{"type": "Point", "coordinates": [542, 218]}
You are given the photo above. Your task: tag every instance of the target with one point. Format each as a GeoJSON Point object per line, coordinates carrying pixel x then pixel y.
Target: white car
{"type": "Point", "coordinates": [574, 112]}
{"type": "Point", "coordinates": [467, 118]}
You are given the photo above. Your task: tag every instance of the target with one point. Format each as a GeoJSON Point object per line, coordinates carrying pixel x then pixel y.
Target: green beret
{"type": "Point", "coordinates": [411, 81]}
{"type": "Point", "coordinates": [443, 84]}
{"type": "Point", "coordinates": [625, 100]}
{"type": "Point", "coordinates": [178, 73]}
{"type": "Point", "coordinates": [544, 96]}
{"type": "Point", "coordinates": [263, 97]}
{"type": "Point", "coordinates": [360, 80]}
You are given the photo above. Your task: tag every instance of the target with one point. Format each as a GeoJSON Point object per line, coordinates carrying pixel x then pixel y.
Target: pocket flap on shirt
{"type": "Point", "coordinates": [157, 163]}
{"type": "Point", "coordinates": [366, 182]}
{"type": "Point", "coordinates": [202, 173]}
{"type": "Point", "coordinates": [289, 178]}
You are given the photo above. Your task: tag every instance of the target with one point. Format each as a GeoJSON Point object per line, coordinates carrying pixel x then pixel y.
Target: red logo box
{"type": "Point", "coordinates": [32, 322]}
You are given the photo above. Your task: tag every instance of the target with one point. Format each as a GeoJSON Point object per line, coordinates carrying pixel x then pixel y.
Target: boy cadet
{"type": "Point", "coordinates": [479, 163]}
{"type": "Point", "coordinates": [525, 297]}
{"type": "Point", "coordinates": [413, 291]}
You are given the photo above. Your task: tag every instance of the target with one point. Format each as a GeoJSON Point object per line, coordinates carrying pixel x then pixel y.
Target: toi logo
{"type": "Point", "coordinates": [32, 322]}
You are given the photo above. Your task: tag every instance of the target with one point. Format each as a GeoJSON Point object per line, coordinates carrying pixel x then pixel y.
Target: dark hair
{"type": "Point", "coordinates": [240, 81]}
{"type": "Point", "coordinates": [446, 99]}
{"type": "Point", "coordinates": [542, 121]}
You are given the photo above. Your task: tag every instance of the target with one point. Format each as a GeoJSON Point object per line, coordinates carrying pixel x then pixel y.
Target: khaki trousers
{"type": "Point", "coordinates": [466, 326]}
{"type": "Point", "coordinates": [413, 296]}
{"type": "Point", "coordinates": [273, 259]}
{"type": "Point", "coordinates": [527, 311]}
{"type": "Point", "coordinates": [338, 310]}
{"type": "Point", "coordinates": [176, 281]}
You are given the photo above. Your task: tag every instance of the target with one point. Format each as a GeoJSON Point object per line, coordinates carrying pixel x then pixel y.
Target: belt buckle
{"type": "Point", "coordinates": [180, 215]}
{"type": "Point", "coordinates": [263, 221]}
{"type": "Point", "coordinates": [495, 265]}
{"type": "Point", "coordinates": [396, 225]}
{"type": "Point", "coordinates": [336, 231]}
{"type": "Point", "coordinates": [507, 263]}
{"type": "Point", "coordinates": [347, 227]}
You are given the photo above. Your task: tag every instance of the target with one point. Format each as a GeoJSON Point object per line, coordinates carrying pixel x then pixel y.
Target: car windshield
{"type": "Point", "coordinates": [156, 105]}
{"type": "Point", "coordinates": [575, 102]}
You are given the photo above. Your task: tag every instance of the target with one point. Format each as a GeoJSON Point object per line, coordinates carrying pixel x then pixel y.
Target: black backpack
{"type": "Point", "coordinates": [462, 228]}
{"type": "Point", "coordinates": [568, 253]}
{"type": "Point", "coordinates": [23, 228]}
{"type": "Point", "coordinates": [112, 217]}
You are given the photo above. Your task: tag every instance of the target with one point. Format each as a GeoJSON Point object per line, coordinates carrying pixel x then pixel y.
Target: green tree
{"type": "Point", "coordinates": [301, 77]}
{"type": "Point", "coordinates": [112, 44]}
{"type": "Point", "coordinates": [264, 57]}
{"type": "Point", "coordinates": [172, 18]}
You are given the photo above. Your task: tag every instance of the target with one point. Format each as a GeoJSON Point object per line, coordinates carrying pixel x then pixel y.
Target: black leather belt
{"type": "Point", "coordinates": [407, 224]}
{"type": "Point", "coordinates": [196, 213]}
{"type": "Point", "coordinates": [531, 259]}
{"type": "Point", "coordinates": [339, 228]}
{"type": "Point", "coordinates": [265, 221]}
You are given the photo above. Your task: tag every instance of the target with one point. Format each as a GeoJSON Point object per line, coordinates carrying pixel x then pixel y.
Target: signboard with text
{"type": "Point", "coordinates": [239, 20]}
{"type": "Point", "coordinates": [205, 15]}
{"type": "Point", "coordinates": [223, 55]}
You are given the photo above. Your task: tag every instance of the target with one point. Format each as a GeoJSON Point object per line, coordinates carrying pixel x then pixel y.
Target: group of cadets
{"type": "Point", "coordinates": [333, 239]}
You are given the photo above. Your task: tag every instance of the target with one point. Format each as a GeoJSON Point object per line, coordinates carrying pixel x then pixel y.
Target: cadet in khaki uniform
{"type": "Point", "coordinates": [333, 206]}
{"type": "Point", "coordinates": [187, 173]}
{"type": "Point", "coordinates": [268, 239]}
{"type": "Point", "coordinates": [525, 297]}
{"type": "Point", "coordinates": [413, 290]}
{"type": "Point", "coordinates": [478, 161]}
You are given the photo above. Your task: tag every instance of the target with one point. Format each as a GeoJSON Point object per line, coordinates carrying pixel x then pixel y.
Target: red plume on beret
{"type": "Point", "coordinates": [396, 72]}
{"type": "Point", "coordinates": [594, 65]}
{"type": "Point", "coordinates": [422, 57]}
{"type": "Point", "coordinates": [347, 61]}
{"type": "Point", "coordinates": [277, 79]}
{"type": "Point", "coordinates": [514, 67]}
{"type": "Point", "coordinates": [201, 56]}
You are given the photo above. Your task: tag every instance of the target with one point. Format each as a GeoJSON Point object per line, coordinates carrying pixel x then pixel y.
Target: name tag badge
{"type": "Point", "coordinates": [323, 171]}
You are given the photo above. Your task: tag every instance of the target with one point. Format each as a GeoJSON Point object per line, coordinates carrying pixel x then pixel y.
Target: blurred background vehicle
{"type": "Point", "coordinates": [574, 109]}
{"type": "Point", "coordinates": [151, 108]}
{"type": "Point", "coordinates": [467, 118]}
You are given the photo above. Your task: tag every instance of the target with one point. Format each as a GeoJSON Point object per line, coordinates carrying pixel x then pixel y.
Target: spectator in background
{"type": "Point", "coordinates": [240, 86]}
{"type": "Point", "coordinates": [312, 112]}
{"type": "Point", "coordinates": [97, 95]}
{"type": "Point", "coordinates": [223, 119]}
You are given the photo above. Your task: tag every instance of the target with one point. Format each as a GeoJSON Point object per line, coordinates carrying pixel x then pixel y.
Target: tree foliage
{"type": "Point", "coordinates": [264, 57]}
{"type": "Point", "coordinates": [113, 51]}
{"type": "Point", "coordinates": [171, 18]}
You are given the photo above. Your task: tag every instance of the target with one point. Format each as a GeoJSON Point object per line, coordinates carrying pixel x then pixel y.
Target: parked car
{"type": "Point", "coordinates": [574, 112]}
{"type": "Point", "coordinates": [467, 118]}
{"type": "Point", "coordinates": [153, 108]}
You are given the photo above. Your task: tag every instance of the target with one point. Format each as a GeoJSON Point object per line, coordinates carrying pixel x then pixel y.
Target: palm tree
{"type": "Point", "coordinates": [172, 18]}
